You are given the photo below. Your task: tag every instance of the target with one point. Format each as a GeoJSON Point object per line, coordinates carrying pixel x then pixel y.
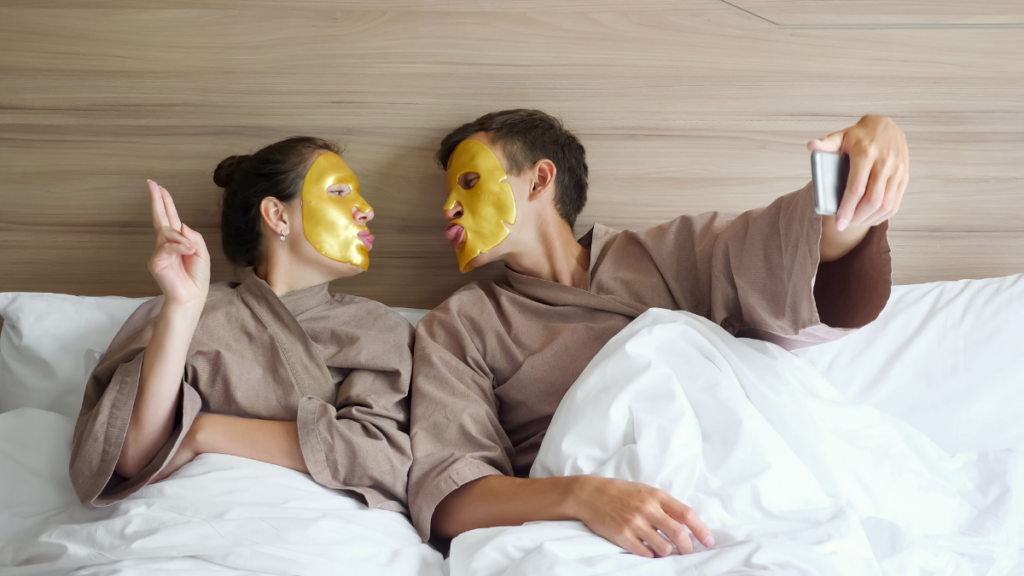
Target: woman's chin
{"type": "Point", "coordinates": [345, 269]}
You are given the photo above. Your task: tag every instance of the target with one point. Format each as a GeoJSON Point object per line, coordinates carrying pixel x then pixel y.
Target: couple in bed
{"type": "Point", "coordinates": [444, 422]}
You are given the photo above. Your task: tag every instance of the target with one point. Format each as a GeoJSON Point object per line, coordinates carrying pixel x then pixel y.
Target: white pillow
{"type": "Point", "coordinates": [51, 343]}
{"type": "Point", "coordinates": [946, 357]}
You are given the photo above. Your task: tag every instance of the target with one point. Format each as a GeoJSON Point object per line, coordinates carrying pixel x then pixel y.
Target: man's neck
{"type": "Point", "coordinates": [554, 255]}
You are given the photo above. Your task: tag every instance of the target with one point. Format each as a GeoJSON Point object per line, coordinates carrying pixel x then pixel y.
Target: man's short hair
{"type": "Point", "coordinates": [526, 136]}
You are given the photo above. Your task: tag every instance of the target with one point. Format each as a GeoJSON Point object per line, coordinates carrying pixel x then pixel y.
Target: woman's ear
{"type": "Point", "coordinates": [275, 216]}
{"type": "Point", "coordinates": [543, 178]}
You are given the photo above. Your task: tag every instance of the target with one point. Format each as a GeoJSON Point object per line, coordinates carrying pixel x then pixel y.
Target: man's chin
{"type": "Point", "coordinates": [478, 261]}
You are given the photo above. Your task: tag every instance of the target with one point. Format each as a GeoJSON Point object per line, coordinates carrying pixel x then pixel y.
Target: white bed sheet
{"type": "Point", "coordinates": [219, 514]}
{"type": "Point", "coordinates": [790, 476]}
{"type": "Point", "coordinates": [944, 357]}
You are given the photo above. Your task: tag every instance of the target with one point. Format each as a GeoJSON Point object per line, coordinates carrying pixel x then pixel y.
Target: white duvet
{"type": "Point", "coordinates": [218, 514]}
{"type": "Point", "coordinates": [790, 476]}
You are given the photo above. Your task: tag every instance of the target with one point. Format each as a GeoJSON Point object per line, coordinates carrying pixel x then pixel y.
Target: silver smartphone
{"type": "Point", "coordinates": [829, 172]}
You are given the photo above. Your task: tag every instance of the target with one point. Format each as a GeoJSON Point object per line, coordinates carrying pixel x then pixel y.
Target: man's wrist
{"type": "Point", "coordinates": [572, 496]}
{"type": "Point", "coordinates": [837, 243]}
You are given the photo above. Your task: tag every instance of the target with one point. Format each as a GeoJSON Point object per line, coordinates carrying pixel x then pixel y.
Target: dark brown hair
{"type": "Point", "coordinates": [526, 136]}
{"type": "Point", "coordinates": [276, 171]}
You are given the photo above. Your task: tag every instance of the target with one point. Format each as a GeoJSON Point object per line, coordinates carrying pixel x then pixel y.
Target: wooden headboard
{"type": "Point", "coordinates": [682, 106]}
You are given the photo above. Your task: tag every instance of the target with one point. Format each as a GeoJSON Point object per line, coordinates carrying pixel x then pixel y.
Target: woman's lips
{"type": "Point", "coordinates": [367, 239]}
{"type": "Point", "coordinates": [455, 234]}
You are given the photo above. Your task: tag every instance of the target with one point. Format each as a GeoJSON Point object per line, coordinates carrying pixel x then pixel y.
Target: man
{"type": "Point", "coordinates": [494, 360]}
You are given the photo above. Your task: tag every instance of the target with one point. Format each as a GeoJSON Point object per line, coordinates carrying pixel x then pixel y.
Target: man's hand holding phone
{"type": "Point", "coordinates": [879, 164]}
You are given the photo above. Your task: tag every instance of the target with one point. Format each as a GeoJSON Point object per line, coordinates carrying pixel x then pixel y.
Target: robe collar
{"type": "Point", "coordinates": [296, 301]}
{"type": "Point", "coordinates": [300, 354]}
{"type": "Point", "coordinates": [555, 294]}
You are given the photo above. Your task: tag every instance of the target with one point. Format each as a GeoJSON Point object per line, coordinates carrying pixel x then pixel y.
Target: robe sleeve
{"type": "Point", "coordinates": [361, 442]}
{"type": "Point", "coordinates": [106, 409]}
{"type": "Point", "coordinates": [456, 432]}
{"type": "Point", "coordinates": [758, 274]}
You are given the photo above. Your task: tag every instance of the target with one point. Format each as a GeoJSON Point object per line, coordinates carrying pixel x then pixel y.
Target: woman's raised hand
{"type": "Point", "coordinates": [181, 262]}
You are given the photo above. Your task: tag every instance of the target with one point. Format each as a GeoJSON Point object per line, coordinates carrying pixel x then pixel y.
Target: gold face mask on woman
{"type": "Point", "coordinates": [486, 207]}
{"type": "Point", "coordinates": [327, 217]}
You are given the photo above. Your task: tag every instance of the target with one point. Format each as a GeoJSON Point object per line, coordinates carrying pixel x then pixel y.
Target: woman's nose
{"type": "Point", "coordinates": [453, 212]}
{"type": "Point", "coordinates": [361, 218]}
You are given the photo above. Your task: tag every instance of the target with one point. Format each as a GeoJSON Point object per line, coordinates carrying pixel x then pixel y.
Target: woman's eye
{"type": "Point", "coordinates": [341, 190]}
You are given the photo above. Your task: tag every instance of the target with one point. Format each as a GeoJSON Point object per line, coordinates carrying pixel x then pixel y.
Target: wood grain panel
{"type": "Point", "coordinates": [870, 13]}
{"type": "Point", "coordinates": [472, 50]}
{"type": "Point", "coordinates": [683, 107]}
{"type": "Point", "coordinates": [104, 261]}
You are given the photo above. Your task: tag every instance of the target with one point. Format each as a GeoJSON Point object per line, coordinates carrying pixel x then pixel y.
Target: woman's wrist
{"type": "Point", "coordinates": [182, 316]}
{"type": "Point", "coordinates": [199, 434]}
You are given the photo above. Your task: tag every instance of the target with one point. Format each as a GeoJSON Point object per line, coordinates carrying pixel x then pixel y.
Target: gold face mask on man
{"type": "Point", "coordinates": [328, 217]}
{"type": "Point", "coordinates": [487, 206]}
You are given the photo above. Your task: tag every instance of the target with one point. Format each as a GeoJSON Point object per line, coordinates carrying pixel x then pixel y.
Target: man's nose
{"type": "Point", "coordinates": [361, 218]}
{"type": "Point", "coordinates": [453, 212]}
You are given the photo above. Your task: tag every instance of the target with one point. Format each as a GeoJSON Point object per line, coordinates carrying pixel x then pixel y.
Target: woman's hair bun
{"type": "Point", "coordinates": [227, 169]}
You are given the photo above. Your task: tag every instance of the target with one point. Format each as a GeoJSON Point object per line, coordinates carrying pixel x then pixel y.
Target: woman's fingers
{"type": "Point", "coordinates": [172, 212]}
{"type": "Point", "coordinates": [167, 257]}
{"type": "Point", "coordinates": [175, 248]}
{"type": "Point", "coordinates": [157, 204]}
{"type": "Point", "coordinates": [171, 235]}
{"type": "Point", "coordinates": [197, 241]}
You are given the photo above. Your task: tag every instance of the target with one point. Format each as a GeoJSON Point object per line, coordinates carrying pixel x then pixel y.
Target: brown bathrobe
{"type": "Point", "coordinates": [493, 362]}
{"type": "Point", "coordinates": [338, 365]}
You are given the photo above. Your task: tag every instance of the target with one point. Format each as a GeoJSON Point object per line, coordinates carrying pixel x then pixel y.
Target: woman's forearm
{"type": "Point", "coordinates": [156, 401]}
{"type": "Point", "coordinates": [264, 440]}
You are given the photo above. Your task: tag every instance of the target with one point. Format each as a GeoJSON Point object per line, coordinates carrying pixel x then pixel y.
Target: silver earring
{"type": "Point", "coordinates": [282, 237]}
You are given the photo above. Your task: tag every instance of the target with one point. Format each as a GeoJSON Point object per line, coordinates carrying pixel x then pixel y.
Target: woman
{"type": "Point", "coordinates": [273, 368]}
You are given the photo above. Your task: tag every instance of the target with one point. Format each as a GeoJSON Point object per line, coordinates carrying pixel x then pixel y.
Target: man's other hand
{"type": "Point", "coordinates": [644, 520]}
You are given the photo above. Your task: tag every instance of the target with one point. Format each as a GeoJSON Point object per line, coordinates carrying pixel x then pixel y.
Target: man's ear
{"type": "Point", "coordinates": [274, 215]}
{"type": "Point", "coordinates": [544, 172]}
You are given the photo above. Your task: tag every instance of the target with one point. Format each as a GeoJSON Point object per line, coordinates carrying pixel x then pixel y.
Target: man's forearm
{"type": "Point", "coordinates": [264, 440]}
{"type": "Point", "coordinates": [835, 243]}
{"type": "Point", "coordinates": [503, 501]}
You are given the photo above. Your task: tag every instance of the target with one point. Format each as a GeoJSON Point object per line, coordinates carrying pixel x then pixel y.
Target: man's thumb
{"type": "Point", "coordinates": [830, 143]}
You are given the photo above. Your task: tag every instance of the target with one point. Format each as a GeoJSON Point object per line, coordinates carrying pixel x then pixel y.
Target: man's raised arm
{"type": "Point", "coordinates": [879, 173]}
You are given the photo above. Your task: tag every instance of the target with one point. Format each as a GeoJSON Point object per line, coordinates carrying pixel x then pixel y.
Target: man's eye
{"type": "Point", "coordinates": [468, 180]}
{"type": "Point", "coordinates": [341, 190]}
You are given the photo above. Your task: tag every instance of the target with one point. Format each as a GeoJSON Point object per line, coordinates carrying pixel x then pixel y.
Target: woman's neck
{"type": "Point", "coordinates": [284, 278]}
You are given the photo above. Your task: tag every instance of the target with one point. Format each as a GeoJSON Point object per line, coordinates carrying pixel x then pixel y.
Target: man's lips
{"type": "Point", "coordinates": [367, 239]}
{"type": "Point", "coordinates": [455, 234]}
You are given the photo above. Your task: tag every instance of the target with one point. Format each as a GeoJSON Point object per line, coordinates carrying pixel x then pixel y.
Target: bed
{"type": "Point", "coordinates": [942, 364]}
